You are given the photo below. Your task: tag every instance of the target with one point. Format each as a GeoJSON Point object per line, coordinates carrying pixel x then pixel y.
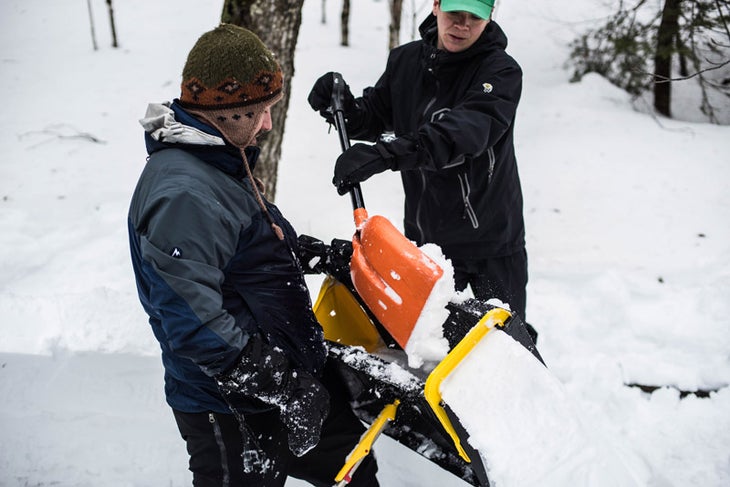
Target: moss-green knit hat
{"type": "Point", "coordinates": [230, 67]}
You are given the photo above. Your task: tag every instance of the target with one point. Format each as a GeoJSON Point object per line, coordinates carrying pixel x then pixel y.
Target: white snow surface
{"type": "Point", "coordinates": [627, 233]}
{"type": "Point", "coordinates": [427, 343]}
{"type": "Point", "coordinates": [531, 433]}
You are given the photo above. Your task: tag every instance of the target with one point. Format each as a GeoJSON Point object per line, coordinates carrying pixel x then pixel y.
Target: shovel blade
{"type": "Point", "coordinates": [342, 318]}
{"type": "Point", "coordinates": [392, 276]}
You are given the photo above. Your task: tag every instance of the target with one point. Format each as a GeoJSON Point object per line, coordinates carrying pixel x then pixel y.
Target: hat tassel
{"type": "Point", "coordinates": [274, 227]}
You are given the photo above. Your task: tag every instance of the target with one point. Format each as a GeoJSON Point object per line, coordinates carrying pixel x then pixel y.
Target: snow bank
{"type": "Point", "coordinates": [525, 425]}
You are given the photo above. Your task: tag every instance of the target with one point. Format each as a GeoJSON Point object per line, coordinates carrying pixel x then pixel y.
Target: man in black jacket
{"type": "Point", "coordinates": [449, 101]}
{"type": "Point", "coordinates": [216, 271]}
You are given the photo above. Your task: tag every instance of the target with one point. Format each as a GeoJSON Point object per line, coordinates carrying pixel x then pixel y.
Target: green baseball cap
{"type": "Point", "coordinates": [480, 8]}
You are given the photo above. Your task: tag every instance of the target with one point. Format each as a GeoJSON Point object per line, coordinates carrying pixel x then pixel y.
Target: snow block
{"type": "Point", "coordinates": [523, 423]}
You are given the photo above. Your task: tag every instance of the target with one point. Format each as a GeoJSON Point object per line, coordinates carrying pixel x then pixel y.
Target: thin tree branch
{"type": "Point", "coordinates": [60, 132]}
{"type": "Point", "coordinates": [724, 22]}
{"type": "Point", "coordinates": [664, 79]}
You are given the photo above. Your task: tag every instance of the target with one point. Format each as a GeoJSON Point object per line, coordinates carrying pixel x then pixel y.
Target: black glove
{"type": "Point", "coordinates": [339, 254]}
{"type": "Point", "coordinates": [316, 257]}
{"type": "Point", "coordinates": [361, 161]}
{"type": "Point", "coordinates": [320, 98]}
{"type": "Point", "coordinates": [358, 163]}
{"type": "Point", "coordinates": [264, 372]}
{"type": "Point", "coordinates": [312, 254]}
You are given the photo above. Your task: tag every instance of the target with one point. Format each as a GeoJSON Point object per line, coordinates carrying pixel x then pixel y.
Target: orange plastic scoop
{"type": "Point", "coordinates": [392, 276]}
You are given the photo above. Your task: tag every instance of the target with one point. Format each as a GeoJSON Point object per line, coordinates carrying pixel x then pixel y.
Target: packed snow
{"type": "Point", "coordinates": [427, 343]}
{"type": "Point", "coordinates": [533, 433]}
{"type": "Point", "coordinates": [627, 232]}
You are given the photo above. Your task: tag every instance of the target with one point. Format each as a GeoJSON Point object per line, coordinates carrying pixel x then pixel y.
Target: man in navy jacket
{"type": "Point", "coordinates": [217, 272]}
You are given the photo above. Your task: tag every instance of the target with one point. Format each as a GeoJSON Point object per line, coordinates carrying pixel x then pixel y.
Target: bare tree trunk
{"type": "Point", "coordinates": [345, 23]}
{"type": "Point", "coordinates": [323, 19]}
{"type": "Point", "coordinates": [277, 23]}
{"type": "Point", "coordinates": [111, 19]}
{"type": "Point", "coordinates": [666, 35]}
{"type": "Point", "coordinates": [91, 23]}
{"type": "Point", "coordinates": [396, 8]}
{"type": "Point", "coordinates": [682, 52]}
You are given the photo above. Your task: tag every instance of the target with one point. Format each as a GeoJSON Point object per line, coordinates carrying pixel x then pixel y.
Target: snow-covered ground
{"type": "Point", "coordinates": [627, 227]}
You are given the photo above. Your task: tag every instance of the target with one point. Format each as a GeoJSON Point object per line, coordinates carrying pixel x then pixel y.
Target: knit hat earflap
{"type": "Point", "coordinates": [230, 79]}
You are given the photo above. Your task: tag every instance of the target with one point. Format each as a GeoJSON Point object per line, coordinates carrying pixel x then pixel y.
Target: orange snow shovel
{"type": "Point", "coordinates": [392, 276]}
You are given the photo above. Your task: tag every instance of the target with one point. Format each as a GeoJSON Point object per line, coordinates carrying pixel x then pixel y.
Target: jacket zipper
{"type": "Point", "coordinates": [492, 160]}
{"type": "Point", "coordinates": [422, 238]}
{"type": "Point", "coordinates": [465, 193]}
{"type": "Point", "coordinates": [222, 448]}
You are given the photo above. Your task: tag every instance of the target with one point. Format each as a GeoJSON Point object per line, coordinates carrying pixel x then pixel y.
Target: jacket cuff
{"type": "Point", "coordinates": [404, 153]}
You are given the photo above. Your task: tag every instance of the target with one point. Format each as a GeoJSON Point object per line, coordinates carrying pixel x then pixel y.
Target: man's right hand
{"type": "Point", "coordinates": [263, 372]}
{"type": "Point", "coordinates": [320, 98]}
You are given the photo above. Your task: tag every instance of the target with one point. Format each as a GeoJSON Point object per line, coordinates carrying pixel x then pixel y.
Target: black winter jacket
{"type": "Point", "coordinates": [210, 272]}
{"type": "Point", "coordinates": [453, 117]}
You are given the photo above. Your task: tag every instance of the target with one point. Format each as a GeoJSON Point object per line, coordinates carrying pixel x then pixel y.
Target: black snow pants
{"type": "Point", "coordinates": [504, 278]}
{"type": "Point", "coordinates": [218, 446]}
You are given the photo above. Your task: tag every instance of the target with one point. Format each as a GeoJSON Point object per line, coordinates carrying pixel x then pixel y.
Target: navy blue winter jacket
{"type": "Point", "coordinates": [209, 269]}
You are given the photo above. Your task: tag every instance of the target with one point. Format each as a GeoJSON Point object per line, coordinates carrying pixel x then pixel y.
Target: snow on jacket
{"type": "Point", "coordinates": [210, 272]}
{"type": "Point", "coordinates": [455, 113]}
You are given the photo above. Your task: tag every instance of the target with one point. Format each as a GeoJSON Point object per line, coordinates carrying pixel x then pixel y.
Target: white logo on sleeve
{"type": "Point", "coordinates": [487, 87]}
{"type": "Point", "coordinates": [176, 253]}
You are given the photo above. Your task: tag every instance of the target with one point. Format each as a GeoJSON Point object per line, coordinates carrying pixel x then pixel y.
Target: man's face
{"type": "Point", "coordinates": [264, 124]}
{"type": "Point", "coordinates": [457, 31]}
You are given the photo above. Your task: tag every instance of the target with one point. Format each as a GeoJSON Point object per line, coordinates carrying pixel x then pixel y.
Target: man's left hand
{"type": "Point", "coordinates": [358, 163]}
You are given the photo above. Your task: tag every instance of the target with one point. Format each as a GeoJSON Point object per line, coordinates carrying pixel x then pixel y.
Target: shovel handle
{"type": "Point", "coordinates": [338, 109]}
